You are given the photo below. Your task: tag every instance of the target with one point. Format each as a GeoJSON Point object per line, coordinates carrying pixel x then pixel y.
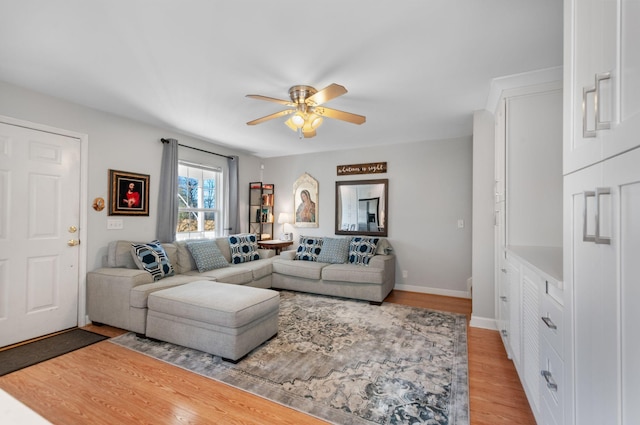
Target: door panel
{"type": "Point", "coordinates": [40, 188]}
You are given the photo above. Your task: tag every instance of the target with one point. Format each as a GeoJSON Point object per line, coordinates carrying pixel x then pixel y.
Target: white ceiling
{"type": "Point", "coordinates": [417, 69]}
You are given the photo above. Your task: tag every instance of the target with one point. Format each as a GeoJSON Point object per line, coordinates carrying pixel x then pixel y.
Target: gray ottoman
{"type": "Point", "coordinates": [219, 318]}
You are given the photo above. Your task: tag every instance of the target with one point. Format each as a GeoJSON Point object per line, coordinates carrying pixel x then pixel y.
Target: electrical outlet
{"type": "Point", "coordinates": [405, 274]}
{"type": "Point", "coordinates": [460, 223]}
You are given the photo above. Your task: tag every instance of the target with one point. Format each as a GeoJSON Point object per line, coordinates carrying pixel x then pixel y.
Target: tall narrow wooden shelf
{"type": "Point", "coordinates": [261, 214]}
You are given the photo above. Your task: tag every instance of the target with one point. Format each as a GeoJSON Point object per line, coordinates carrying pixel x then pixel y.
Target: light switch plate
{"type": "Point", "coordinates": [115, 224]}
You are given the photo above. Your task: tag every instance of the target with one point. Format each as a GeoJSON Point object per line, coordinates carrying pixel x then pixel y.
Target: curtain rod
{"type": "Point", "coordinates": [198, 149]}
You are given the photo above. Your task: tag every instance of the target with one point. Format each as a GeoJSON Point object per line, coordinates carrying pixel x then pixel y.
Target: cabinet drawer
{"type": "Point", "coordinates": [551, 381]}
{"type": "Point", "coordinates": [547, 415]}
{"type": "Point", "coordinates": [551, 324]}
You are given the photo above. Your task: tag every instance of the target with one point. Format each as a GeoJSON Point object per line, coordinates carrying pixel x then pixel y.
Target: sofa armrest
{"type": "Point", "coordinates": [108, 294]}
{"type": "Point", "coordinates": [388, 264]}
{"type": "Point", "coordinates": [266, 253]}
{"type": "Point", "coordinates": [382, 261]}
{"type": "Point", "coordinates": [288, 255]}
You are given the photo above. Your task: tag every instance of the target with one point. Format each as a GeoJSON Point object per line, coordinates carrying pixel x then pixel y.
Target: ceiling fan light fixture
{"type": "Point", "coordinates": [298, 119]}
{"type": "Point", "coordinates": [306, 113]}
{"type": "Point", "coordinates": [315, 121]}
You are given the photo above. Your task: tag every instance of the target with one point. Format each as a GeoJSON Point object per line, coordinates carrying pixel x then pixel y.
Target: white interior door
{"type": "Point", "coordinates": [39, 220]}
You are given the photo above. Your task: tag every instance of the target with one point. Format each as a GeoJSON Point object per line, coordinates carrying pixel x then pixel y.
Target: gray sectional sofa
{"type": "Point", "coordinates": [117, 294]}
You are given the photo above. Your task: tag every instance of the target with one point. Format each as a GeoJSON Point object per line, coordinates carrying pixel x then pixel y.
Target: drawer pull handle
{"type": "Point", "coordinates": [551, 384]}
{"type": "Point", "coordinates": [600, 125]}
{"type": "Point", "coordinates": [503, 298]}
{"type": "Point", "coordinates": [585, 236]}
{"type": "Point", "coordinates": [585, 115]}
{"type": "Point", "coordinates": [503, 270]}
{"type": "Point", "coordinates": [547, 321]}
{"type": "Point", "coordinates": [600, 239]}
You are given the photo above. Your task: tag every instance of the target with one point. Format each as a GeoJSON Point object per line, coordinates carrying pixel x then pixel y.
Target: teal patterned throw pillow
{"type": "Point", "coordinates": [334, 250]}
{"type": "Point", "coordinates": [309, 248]}
{"type": "Point", "coordinates": [244, 248]}
{"type": "Point", "coordinates": [206, 254]}
{"type": "Point", "coordinates": [362, 249]}
{"type": "Point", "coordinates": [152, 258]}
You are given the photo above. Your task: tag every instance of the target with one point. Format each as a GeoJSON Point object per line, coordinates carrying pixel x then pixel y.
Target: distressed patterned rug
{"type": "Point", "coordinates": [347, 362]}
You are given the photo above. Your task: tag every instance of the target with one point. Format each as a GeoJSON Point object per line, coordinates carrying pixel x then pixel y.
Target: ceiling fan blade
{"type": "Point", "coordinates": [326, 94]}
{"type": "Point", "coordinates": [340, 115]}
{"type": "Point", "coordinates": [272, 116]}
{"type": "Point", "coordinates": [271, 99]}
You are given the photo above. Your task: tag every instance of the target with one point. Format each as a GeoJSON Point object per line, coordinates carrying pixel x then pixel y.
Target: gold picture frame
{"type": "Point", "coordinates": [128, 193]}
{"type": "Point", "coordinates": [305, 201]}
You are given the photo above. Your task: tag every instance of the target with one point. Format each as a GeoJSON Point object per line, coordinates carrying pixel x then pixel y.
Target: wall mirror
{"type": "Point", "coordinates": [361, 207]}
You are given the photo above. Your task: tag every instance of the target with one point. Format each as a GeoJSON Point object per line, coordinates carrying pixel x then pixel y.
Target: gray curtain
{"type": "Point", "coordinates": [234, 198]}
{"type": "Point", "coordinates": [168, 192]}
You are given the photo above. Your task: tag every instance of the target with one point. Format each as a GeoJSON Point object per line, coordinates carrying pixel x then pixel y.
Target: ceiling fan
{"type": "Point", "coordinates": [306, 110]}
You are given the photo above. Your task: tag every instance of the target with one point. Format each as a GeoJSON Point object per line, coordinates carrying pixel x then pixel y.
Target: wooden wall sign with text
{"type": "Point", "coordinates": [372, 168]}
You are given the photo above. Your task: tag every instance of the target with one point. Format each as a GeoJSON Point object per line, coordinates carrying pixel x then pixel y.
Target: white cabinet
{"type": "Point", "coordinates": [535, 327]}
{"type": "Point", "coordinates": [601, 213]}
{"type": "Point", "coordinates": [602, 81]}
{"type": "Point", "coordinates": [528, 205]}
{"type": "Point", "coordinates": [509, 304]}
{"type": "Point", "coordinates": [602, 248]}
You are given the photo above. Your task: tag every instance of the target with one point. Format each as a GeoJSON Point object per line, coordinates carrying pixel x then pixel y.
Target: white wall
{"type": "Point", "coordinates": [114, 143]}
{"type": "Point", "coordinates": [429, 190]}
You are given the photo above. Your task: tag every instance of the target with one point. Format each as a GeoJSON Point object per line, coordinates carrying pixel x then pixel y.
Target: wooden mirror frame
{"type": "Point", "coordinates": [360, 193]}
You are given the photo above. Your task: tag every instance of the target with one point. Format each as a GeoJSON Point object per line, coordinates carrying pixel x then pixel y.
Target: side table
{"type": "Point", "coordinates": [274, 244]}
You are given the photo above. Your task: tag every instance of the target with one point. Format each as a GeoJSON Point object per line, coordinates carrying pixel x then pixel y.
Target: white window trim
{"type": "Point", "coordinates": [219, 211]}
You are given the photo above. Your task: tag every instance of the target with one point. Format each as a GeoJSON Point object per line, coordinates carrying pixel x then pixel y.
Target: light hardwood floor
{"type": "Point", "coordinates": [108, 384]}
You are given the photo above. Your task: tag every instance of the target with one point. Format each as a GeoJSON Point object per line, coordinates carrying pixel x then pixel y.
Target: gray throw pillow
{"type": "Point", "coordinates": [334, 250]}
{"type": "Point", "coordinates": [206, 254]}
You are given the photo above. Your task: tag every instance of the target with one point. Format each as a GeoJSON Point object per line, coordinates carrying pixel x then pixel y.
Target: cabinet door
{"type": "Point", "coordinates": [601, 38]}
{"type": "Point", "coordinates": [622, 175]}
{"type": "Point", "coordinates": [590, 303]}
{"type": "Point", "coordinates": [515, 317]}
{"type": "Point", "coordinates": [590, 51]}
{"type": "Point", "coordinates": [628, 128]}
{"type": "Point", "coordinates": [531, 287]}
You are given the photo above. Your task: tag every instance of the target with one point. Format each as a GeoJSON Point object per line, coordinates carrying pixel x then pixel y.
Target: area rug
{"type": "Point", "coordinates": [32, 353]}
{"type": "Point", "coordinates": [347, 362]}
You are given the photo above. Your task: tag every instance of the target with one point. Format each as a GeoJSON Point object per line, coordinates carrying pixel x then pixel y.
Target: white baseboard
{"type": "Point", "coordinates": [434, 291]}
{"type": "Point", "coordinates": [483, 322]}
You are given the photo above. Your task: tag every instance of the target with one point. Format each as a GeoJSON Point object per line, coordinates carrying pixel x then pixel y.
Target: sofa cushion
{"type": "Point", "coordinates": [206, 254]}
{"type": "Point", "coordinates": [362, 249]}
{"type": "Point", "coordinates": [334, 250]}
{"type": "Point", "coordinates": [216, 303]}
{"type": "Point", "coordinates": [353, 273]}
{"type": "Point", "coordinates": [223, 245]}
{"type": "Point", "coordinates": [236, 275]}
{"type": "Point", "coordinates": [138, 295]}
{"type": "Point", "coordinates": [309, 248]}
{"type": "Point", "coordinates": [243, 248]}
{"type": "Point", "coordinates": [152, 258]}
{"type": "Point", "coordinates": [302, 269]}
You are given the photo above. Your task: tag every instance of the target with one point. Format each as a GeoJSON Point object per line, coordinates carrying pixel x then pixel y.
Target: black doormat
{"type": "Point", "coordinates": [35, 352]}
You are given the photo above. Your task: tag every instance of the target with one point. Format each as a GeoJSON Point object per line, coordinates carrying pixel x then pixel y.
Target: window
{"type": "Point", "coordinates": [199, 201]}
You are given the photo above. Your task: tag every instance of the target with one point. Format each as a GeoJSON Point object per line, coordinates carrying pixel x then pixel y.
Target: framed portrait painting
{"type": "Point", "coordinates": [128, 193]}
{"type": "Point", "coordinates": [305, 196]}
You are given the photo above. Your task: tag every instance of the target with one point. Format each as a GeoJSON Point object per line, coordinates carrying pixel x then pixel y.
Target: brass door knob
{"type": "Point", "coordinates": [73, 242]}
